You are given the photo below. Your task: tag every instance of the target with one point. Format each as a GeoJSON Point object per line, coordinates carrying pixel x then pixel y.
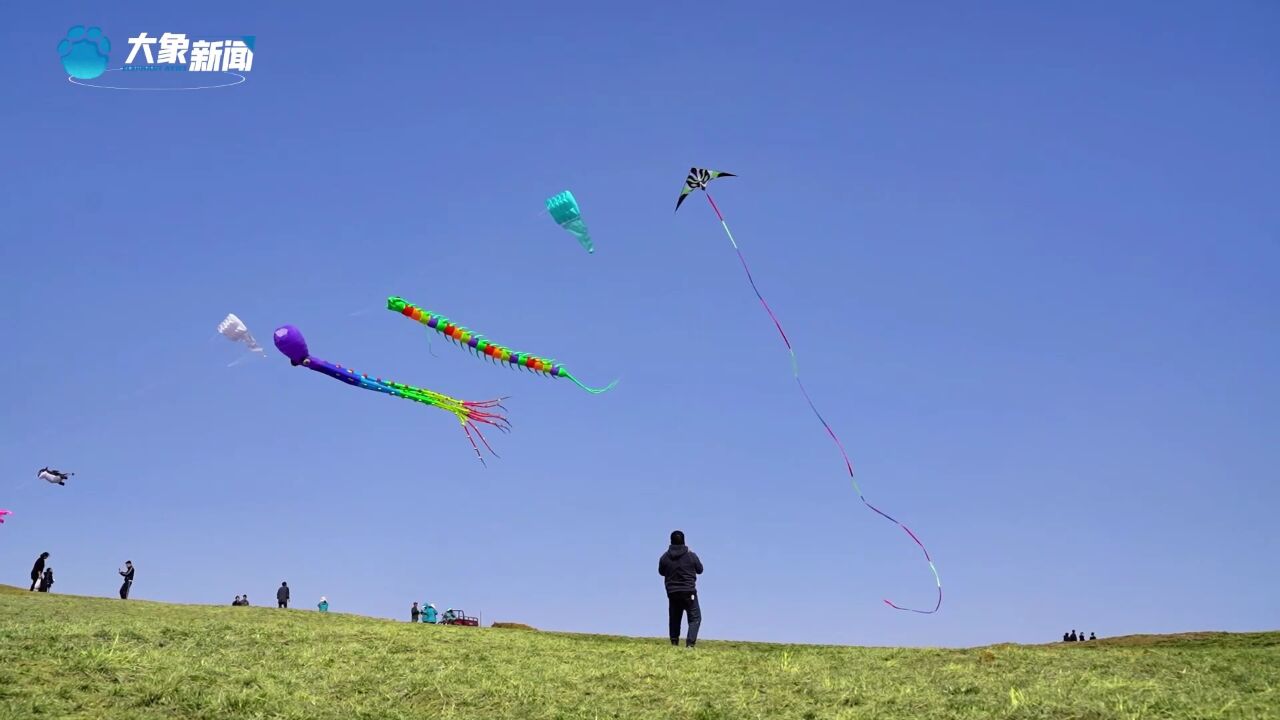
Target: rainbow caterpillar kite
{"type": "Point", "coordinates": [698, 180]}
{"type": "Point", "coordinates": [289, 341]}
{"type": "Point", "coordinates": [477, 344]}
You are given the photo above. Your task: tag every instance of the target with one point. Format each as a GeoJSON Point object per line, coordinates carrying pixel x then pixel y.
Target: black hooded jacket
{"type": "Point", "coordinates": [282, 594]}
{"type": "Point", "coordinates": [681, 568]}
{"type": "Point", "coordinates": [38, 569]}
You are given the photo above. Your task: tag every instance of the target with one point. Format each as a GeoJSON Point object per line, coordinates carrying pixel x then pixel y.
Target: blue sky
{"type": "Point", "coordinates": [1028, 255]}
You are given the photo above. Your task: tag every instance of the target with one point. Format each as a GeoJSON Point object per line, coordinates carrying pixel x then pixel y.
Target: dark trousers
{"type": "Point", "coordinates": [282, 603]}
{"type": "Point", "coordinates": [34, 581]}
{"type": "Point", "coordinates": [678, 605]}
{"type": "Point", "coordinates": [124, 590]}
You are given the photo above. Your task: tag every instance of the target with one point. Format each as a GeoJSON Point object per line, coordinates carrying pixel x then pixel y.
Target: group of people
{"type": "Point", "coordinates": [42, 576]}
{"type": "Point", "coordinates": [427, 613]}
{"type": "Point", "coordinates": [282, 599]}
{"type": "Point", "coordinates": [1073, 637]}
{"type": "Point", "coordinates": [679, 567]}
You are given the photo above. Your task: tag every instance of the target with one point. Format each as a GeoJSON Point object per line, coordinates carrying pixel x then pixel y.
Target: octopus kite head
{"type": "Point", "coordinates": [290, 342]}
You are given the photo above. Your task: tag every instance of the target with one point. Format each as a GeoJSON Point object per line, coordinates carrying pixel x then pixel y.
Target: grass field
{"type": "Point", "coordinates": [74, 657]}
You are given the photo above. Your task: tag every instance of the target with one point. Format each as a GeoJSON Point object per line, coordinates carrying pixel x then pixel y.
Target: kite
{"type": "Point", "coordinates": [698, 179]}
{"type": "Point", "coordinates": [234, 329]}
{"type": "Point", "coordinates": [477, 344]}
{"type": "Point", "coordinates": [56, 477]}
{"type": "Point", "coordinates": [565, 211]}
{"type": "Point", "coordinates": [289, 341]}
{"type": "Point", "coordinates": [2, 514]}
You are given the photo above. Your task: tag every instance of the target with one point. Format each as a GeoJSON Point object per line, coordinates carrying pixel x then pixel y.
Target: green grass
{"type": "Point", "coordinates": [73, 657]}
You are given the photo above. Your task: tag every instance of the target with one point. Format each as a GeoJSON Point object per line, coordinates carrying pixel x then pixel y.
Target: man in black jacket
{"type": "Point", "coordinates": [282, 595]}
{"type": "Point", "coordinates": [680, 568]}
{"type": "Point", "coordinates": [37, 570]}
{"type": "Point", "coordinates": [127, 574]}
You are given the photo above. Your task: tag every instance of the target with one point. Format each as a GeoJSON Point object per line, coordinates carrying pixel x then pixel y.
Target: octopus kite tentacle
{"type": "Point", "coordinates": [480, 346]}
{"type": "Point", "coordinates": [697, 180]}
{"type": "Point", "coordinates": [470, 413]}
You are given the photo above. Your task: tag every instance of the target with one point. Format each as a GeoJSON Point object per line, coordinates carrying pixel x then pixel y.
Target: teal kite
{"type": "Point", "coordinates": [565, 211]}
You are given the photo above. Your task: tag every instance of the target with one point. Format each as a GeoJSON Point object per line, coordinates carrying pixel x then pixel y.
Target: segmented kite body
{"type": "Point", "coordinates": [483, 347]}
{"type": "Point", "coordinates": [289, 341]}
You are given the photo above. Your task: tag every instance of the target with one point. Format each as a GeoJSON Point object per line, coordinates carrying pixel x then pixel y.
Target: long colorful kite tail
{"type": "Point", "coordinates": [795, 370]}
{"type": "Point", "coordinates": [480, 346]}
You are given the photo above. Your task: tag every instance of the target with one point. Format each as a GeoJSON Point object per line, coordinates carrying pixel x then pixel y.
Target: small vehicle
{"type": "Point", "coordinates": [458, 617]}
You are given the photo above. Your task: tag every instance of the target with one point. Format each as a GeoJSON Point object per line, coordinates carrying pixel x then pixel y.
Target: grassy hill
{"type": "Point", "coordinates": [74, 657]}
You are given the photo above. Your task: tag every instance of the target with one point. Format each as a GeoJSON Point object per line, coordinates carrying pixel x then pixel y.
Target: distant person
{"type": "Point", "coordinates": [127, 574]}
{"type": "Point", "coordinates": [46, 580]}
{"type": "Point", "coordinates": [680, 567]}
{"type": "Point", "coordinates": [282, 595]}
{"type": "Point", "coordinates": [245, 601]}
{"type": "Point", "coordinates": [1073, 637]}
{"type": "Point", "coordinates": [324, 605]}
{"type": "Point", "coordinates": [236, 602]}
{"type": "Point", "coordinates": [1092, 636]}
{"type": "Point", "coordinates": [1066, 637]}
{"type": "Point", "coordinates": [414, 612]}
{"type": "Point", "coordinates": [429, 615]}
{"type": "Point", "coordinates": [37, 570]}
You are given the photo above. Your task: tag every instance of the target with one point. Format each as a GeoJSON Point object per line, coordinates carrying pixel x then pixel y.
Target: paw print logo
{"type": "Point", "coordinates": [84, 52]}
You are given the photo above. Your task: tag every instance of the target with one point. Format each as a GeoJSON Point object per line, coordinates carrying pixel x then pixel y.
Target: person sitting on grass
{"type": "Point", "coordinates": [429, 615]}
{"type": "Point", "coordinates": [324, 605]}
{"type": "Point", "coordinates": [236, 602]}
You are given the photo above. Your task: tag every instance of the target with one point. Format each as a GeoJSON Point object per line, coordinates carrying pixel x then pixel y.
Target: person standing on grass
{"type": "Point", "coordinates": [37, 570]}
{"type": "Point", "coordinates": [1073, 637]}
{"type": "Point", "coordinates": [282, 596]}
{"type": "Point", "coordinates": [127, 574]}
{"type": "Point", "coordinates": [680, 567]}
{"type": "Point", "coordinates": [46, 580]}
{"type": "Point", "coordinates": [324, 605]}
{"type": "Point", "coordinates": [414, 612]}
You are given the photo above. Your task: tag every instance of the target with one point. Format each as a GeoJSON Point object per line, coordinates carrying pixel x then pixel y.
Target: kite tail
{"type": "Point", "coordinates": [485, 411]}
{"type": "Point", "coordinates": [472, 440]}
{"type": "Point", "coordinates": [593, 391]}
{"type": "Point", "coordinates": [795, 370]}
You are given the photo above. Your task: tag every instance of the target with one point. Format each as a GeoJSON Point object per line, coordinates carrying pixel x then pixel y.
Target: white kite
{"type": "Point", "coordinates": [234, 329]}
